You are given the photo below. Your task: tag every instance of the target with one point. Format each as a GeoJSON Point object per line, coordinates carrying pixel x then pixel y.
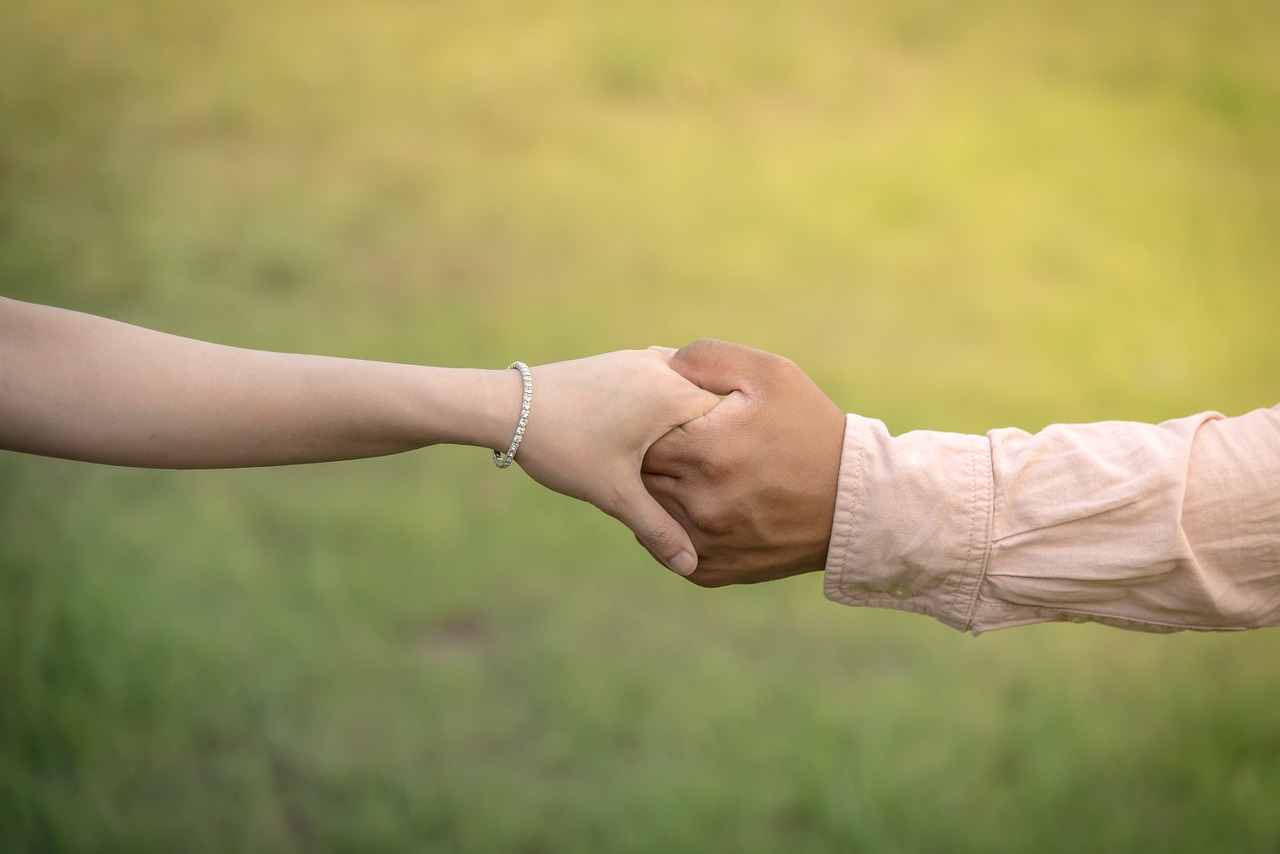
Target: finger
{"type": "Point", "coordinates": [667, 352]}
{"type": "Point", "coordinates": [664, 489]}
{"type": "Point", "coordinates": [721, 367]}
{"type": "Point", "coordinates": [668, 493]}
{"type": "Point", "coordinates": [660, 534]}
{"type": "Point", "coordinates": [669, 456]}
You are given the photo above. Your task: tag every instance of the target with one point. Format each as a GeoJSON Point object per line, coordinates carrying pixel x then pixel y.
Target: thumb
{"type": "Point", "coordinates": [720, 367]}
{"type": "Point", "coordinates": [657, 531]}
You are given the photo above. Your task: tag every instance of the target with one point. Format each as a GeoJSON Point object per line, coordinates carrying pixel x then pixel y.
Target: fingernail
{"type": "Point", "coordinates": [683, 564]}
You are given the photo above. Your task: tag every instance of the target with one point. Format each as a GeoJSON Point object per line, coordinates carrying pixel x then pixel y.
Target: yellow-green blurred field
{"type": "Point", "coordinates": [953, 215]}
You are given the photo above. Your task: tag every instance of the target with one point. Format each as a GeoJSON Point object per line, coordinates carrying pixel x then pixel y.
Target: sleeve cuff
{"type": "Point", "coordinates": [912, 522]}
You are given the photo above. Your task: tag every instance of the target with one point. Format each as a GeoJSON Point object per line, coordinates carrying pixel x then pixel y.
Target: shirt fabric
{"type": "Point", "coordinates": [1153, 527]}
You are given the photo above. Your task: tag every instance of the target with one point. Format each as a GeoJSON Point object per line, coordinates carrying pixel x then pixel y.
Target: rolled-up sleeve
{"type": "Point", "coordinates": [1155, 527]}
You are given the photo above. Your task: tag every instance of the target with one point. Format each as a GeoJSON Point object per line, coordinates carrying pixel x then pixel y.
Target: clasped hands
{"type": "Point", "coordinates": [717, 456]}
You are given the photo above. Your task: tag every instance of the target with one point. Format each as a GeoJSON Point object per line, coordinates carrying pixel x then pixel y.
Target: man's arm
{"type": "Point", "coordinates": [1153, 527]}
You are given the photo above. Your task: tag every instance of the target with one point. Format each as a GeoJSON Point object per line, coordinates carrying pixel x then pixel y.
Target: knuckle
{"type": "Point", "coordinates": [713, 467]}
{"type": "Point", "coordinates": [706, 350]}
{"type": "Point", "coordinates": [715, 522]}
{"type": "Point", "coordinates": [656, 539]}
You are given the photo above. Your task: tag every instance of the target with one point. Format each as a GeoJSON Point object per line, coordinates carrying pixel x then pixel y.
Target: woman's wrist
{"type": "Point", "coordinates": [501, 399]}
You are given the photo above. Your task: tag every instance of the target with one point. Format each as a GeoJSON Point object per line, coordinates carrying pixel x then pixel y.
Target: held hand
{"type": "Point", "coordinates": [591, 422]}
{"type": "Point", "coordinates": [754, 481]}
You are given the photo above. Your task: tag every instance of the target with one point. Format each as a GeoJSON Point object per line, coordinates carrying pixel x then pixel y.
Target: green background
{"type": "Point", "coordinates": [954, 216]}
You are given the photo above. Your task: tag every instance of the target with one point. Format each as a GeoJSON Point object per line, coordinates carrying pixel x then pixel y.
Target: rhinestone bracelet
{"type": "Point", "coordinates": [504, 460]}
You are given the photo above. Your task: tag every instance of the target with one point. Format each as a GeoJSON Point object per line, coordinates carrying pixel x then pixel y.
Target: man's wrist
{"type": "Point", "coordinates": [911, 524]}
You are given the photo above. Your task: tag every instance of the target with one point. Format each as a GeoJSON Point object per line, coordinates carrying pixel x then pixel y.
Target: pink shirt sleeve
{"type": "Point", "coordinates": [1140, 526]}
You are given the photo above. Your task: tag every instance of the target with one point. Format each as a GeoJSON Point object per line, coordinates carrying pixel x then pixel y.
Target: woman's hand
{"type": "Point", "coordinates": [592, 421]}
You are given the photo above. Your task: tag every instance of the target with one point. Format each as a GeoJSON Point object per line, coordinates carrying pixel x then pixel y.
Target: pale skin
{"type": "Point", "coordinates": [754, 480]}
{"type": "Point", "coordinates": [83, 387]}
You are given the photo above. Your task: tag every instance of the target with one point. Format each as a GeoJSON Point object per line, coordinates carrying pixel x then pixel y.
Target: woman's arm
{"type": "Point", "coordinates": [87, 388]}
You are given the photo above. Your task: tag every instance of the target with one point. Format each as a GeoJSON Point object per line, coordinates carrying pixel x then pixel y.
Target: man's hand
{"type": "Point", "coordinates": [592, 421]}
{"type": "Point", "coordinates": [754, 480]}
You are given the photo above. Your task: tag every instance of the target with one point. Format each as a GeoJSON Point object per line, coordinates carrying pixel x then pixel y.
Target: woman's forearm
{"type": "Point", "coordinates": [94, 389]}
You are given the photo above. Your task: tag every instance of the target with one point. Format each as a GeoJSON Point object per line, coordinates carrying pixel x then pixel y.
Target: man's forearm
{"type": "Point", "coordinates": [1144, 526]}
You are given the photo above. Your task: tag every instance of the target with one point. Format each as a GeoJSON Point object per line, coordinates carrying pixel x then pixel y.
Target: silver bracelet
{"type": "Point", "coordinates": [504, 460]}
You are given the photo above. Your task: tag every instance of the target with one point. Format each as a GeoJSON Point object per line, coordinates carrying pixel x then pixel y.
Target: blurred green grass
{"type": "Point", "coordinates": [954, 216]}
